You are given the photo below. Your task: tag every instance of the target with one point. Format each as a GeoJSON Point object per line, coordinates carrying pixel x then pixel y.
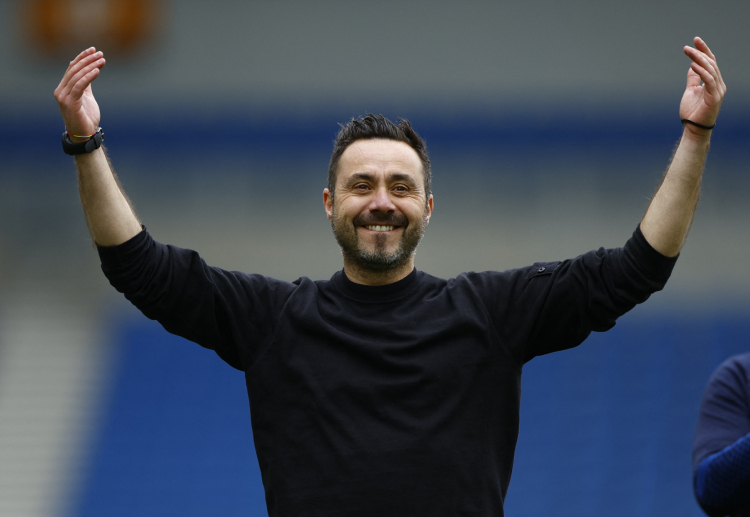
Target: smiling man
{"type": "Point", "coordinates": [385, 391]}
{"type": "Point", "coordinates": [383, 199]}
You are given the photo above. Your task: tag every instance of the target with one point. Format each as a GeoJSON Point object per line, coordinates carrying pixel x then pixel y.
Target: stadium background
{"type": "Point", "coordinates": [549, 123]}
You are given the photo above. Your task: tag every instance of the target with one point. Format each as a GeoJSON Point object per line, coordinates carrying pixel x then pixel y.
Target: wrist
{"type": "Point", "coordinates": [696, 131]}
{"type": "Point", "coordinates": [696, 135]}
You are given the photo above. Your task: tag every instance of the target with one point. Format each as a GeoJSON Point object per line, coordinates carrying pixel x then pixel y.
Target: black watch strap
{"type": "Point", "coordinates": [95, 142]}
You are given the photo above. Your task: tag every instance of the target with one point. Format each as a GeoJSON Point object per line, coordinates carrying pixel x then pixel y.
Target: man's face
{"type": "Point", "coordinates": [380, 209]}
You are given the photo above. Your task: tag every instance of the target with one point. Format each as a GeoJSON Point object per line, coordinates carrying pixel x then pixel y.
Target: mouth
{"type": "Point", "coordinates": [380, 228]}
{"type": "Point", "coordinates": [381, 223]}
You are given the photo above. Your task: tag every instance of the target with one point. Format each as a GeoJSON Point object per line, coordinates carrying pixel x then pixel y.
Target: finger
{"type": "Point", "coordinates": [84, 62]}
{"type": "Point", "coordinates": [77, 73]}
{"type": "Point", "coordinates": [72, 75]}
{"type": "Point", "coordinates": [706, 58]}
{"type": "Point", "coordinates": [712, 68]}
{"type": "Point", "coordinates": [702, 59]}
{"type": "Point", "coordinates": [701, 45]}
{"type": "Point", "coordinates": [77, 64]}
{"type": "Point", "coordinates": [708, 79]}
{"type": "Point", "coordinates": [74, 89]}
{"type": "Point", "coordinates": [83, 83]}
{"type": "Point", "coordinates": [85, 78]}
{"type": "Point", "coordinates": [80, 56]}
{"type": "Point", "coordinates": [704, 63]}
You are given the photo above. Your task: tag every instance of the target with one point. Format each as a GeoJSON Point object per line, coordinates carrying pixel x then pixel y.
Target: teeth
{"type": "Point", "coordinates": [379, 228]}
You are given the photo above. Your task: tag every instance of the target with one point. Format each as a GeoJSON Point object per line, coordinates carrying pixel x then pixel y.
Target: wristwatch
{"type": "Point", "coordinates": [90, 145]}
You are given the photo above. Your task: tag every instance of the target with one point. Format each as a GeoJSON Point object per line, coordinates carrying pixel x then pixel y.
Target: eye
{"type": "Point", "coordinates": [401, 189]}
{"type": "Point", "coordinates": [361, 186]}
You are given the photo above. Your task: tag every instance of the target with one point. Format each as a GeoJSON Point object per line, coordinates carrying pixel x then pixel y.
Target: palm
{"type": "Point", "coordinates": [698, 104]}
{"type": "Point", "coordinates": [84, 114]}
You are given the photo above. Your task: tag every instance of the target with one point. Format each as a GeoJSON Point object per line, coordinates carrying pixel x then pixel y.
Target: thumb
{"type": "Point", "coordinates": [693, 79]}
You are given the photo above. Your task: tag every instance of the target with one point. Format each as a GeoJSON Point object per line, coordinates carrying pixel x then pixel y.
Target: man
{"type": "Point", "coordinates": [386, 391]}
{"type": "Point", "coordinates": [721, 452]}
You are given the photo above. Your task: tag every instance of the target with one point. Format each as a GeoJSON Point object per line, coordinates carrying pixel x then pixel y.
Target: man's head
{"type": "Point", "coordinates": [377, 126]}
{"type": "Point", "coordinates": [378, 200]}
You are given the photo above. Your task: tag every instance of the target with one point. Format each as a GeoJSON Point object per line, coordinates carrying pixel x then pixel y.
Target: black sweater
{"type": "Point", "coordinates": [396, 400]}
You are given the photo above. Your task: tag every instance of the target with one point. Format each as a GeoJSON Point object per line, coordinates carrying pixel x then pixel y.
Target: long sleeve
{"type": "Point", "coordinates": [590, 292]}
{"type": "Point", "coordinates": [229, 312]}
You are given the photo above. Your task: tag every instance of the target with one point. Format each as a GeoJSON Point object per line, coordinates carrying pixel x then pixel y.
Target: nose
{"type": "Point", "coordinates": [381, 201]}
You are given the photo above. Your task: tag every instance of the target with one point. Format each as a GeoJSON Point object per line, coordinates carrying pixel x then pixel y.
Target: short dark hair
{"type": "Point", "coordinates": [377, 126]}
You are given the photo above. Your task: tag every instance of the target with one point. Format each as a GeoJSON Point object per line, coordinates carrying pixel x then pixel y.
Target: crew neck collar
{"type": "Point", "coordinates": [374, 293]}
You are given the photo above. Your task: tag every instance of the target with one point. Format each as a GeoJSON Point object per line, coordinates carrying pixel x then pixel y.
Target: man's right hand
{"type": "Point", "coordinates": [79, 109]}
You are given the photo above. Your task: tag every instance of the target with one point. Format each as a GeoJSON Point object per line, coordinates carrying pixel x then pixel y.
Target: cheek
{"type": "Point", "coordinates": [416, 208]}
{"type": "Point", "coordinates": [348, 207]}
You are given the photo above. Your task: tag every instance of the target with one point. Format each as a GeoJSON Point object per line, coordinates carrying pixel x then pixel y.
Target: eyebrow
{"type": "Point", "coordinates": [366, 176]}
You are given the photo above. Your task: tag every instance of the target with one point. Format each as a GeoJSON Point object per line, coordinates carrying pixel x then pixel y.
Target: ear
{"type": "Point", "coordinates": [428, 211]}
{"type": "Point", "coordinates": [328, 203]}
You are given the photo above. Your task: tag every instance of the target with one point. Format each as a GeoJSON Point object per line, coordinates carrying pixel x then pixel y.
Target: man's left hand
{"type": "Point", "coordinates": [701, 102]}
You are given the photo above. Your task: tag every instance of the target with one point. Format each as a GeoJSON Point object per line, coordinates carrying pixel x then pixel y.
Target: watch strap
{"type": "Point", "coordinates": [90, 145]}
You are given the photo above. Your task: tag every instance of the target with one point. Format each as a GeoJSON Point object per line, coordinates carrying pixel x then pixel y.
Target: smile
{"type": "Point", "coordinates": [377, 228]}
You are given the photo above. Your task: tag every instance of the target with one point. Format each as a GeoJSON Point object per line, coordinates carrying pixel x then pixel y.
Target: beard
{"type": "Point", "coordinates": [378, 259]}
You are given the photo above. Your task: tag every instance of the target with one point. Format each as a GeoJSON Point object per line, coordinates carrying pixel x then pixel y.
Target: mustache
{"type": "Point", "coordinates": [389, 219]}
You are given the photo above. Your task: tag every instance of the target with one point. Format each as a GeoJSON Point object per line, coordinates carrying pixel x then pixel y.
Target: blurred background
{"type": "Point", "coordinates": [550, 124]}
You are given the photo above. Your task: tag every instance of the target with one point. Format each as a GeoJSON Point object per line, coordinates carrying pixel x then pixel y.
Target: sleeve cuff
{"type": "Point", "coordinates": [111, 255]}
{"type": "Point", "coordinates": [658, 266]}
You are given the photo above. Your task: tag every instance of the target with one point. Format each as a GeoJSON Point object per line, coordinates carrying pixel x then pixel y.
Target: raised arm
{"type": "Point", "coordinates": [109, 214]}
{"type": "Point", "coordinates": [670, 214]}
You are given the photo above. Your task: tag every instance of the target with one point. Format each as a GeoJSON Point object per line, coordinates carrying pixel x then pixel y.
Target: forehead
{"type": "Point", "coordinates": [380, 156]}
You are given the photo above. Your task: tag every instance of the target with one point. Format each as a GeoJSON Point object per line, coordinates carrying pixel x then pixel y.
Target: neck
{"type": "Point", "coordinates": [360, 275]}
